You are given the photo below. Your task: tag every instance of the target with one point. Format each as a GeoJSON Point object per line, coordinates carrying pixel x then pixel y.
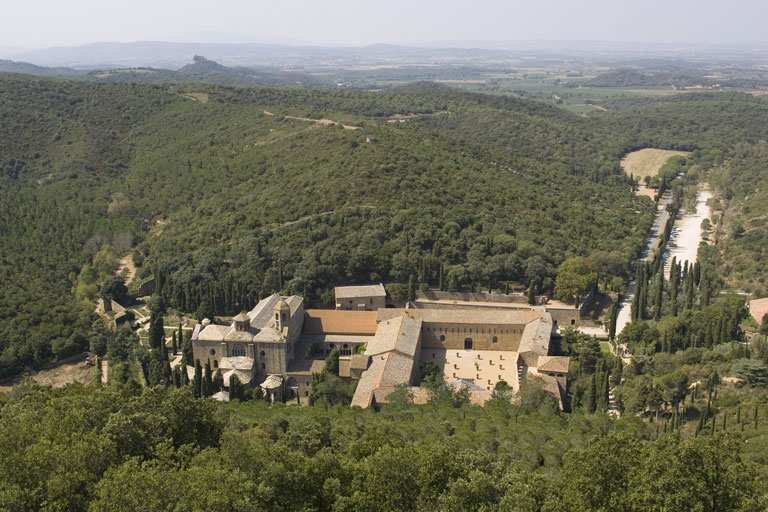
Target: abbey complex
{"type": "Point", "coordinates": [475, 343]}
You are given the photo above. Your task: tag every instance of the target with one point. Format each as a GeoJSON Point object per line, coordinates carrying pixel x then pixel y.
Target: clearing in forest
{"type": "Point", "coordinates": [196, 96]}
{"type": "Point", "coordinates": [646, 162]}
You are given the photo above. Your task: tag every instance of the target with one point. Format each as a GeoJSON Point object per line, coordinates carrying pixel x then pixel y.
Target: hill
{"type": "Point", "coordinates": [10, 66]}
{"type": "Point", "coordinates": [104, 162]}
{"type": "Point", "coordinates": [259, 189]}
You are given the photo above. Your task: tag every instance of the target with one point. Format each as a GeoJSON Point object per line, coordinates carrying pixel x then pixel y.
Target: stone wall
{"type": "Point", "coordinates": [507, 336]}
{"type": "Point", "coordinates": [361, 303]}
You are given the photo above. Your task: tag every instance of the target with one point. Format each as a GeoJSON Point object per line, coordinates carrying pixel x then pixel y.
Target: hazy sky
{"type": "Point", "coordinates": [74, 22]}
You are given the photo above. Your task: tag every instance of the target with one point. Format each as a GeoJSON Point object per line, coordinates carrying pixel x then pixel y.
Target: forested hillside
{"type": "Point", "coordinates": [204, 188]}
{"type": "Point", "coordinates": [226, 194]}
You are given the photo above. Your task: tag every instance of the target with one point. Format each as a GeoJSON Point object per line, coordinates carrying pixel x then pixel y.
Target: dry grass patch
{"type": "Point", "coordinates": [646, 162]}
{"type": "Point", "coordinates": [196, 96]}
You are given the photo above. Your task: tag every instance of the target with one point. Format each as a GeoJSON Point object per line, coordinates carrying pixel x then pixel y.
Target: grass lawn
{"type": "Point", "coordinates": [605, 347]}
{"type": "Point", "coordinates": [647, 162]}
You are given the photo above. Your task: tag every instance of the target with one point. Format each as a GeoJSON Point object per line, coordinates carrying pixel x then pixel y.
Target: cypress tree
{"type": "Point", "coordinates": [235, 388]}
{"type": "Point", "coordinates": [725, 420]}
{"type": "Point", "coordinates": [184, 375]}
{"type": "Point", "coordinates": [180, 337]}
{"type": "Point", "coordinates": [696, 274]}
{"type": "Point", "coordinates": [659, 298]}
{"type": "Point", "coordinates": [218, 381]}
{"type": "Point", "coordinates": [689, 292]}
{"type": "Point", "coordinates": [755, 416]}
{"type": "Point", "coordinates": [176, 377]}
{"type": "Point", "coordinates": [531, 295]}
{"type": "Point", "coordinates": [591, 401]}
{"type": "Point", "coordinates": [207, 388]}
{"type": "Point", "coordinates": [174, 346]}
{"type": "Point", "coordinates": [156, 330]}
{"type": "Point", "coordinates": [197, 381]}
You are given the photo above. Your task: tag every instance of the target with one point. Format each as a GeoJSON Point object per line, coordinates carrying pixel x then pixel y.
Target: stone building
{"type": "Point", "coordinates": [278, 345]}
{"type": "Point", "coordinates": [361, 298]}
{"type": "Point", "coordinates": [482, 347]}
{"type": "Point", "coordinates": [256, 344]}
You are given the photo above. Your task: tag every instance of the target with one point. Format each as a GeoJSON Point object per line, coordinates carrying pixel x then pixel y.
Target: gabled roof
{"type": "Point", "coordinates": [465, 316]}
{"type": "Point", "coordinates": [325, 321]}
{"type": "Point", "coordinates": [353, 292]}
{"type": "Point", "coordinates": [268, 335]}
{"type": "Point", "coordinates": [554, 364]}
{"type": "Point", "coordinates": [236, 363]}
{"type": "Point", "coordinates": [213, 333]}
{"type": "Point", "coordinates": [398, 334]}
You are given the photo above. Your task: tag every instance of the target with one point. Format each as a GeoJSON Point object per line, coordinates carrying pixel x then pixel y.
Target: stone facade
{"type": "Point", "coordinates": [361, 298]}
{"type": "Point", "coordinates": [261, 342]}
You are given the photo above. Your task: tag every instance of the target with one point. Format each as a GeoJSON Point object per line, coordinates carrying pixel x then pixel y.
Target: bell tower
{"type": "Point", "coordinates": [282, 313]}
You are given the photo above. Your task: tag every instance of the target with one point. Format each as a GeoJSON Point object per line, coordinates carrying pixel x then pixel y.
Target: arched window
{"type": "Point", "coordinates": [442, 337]}
{"type": "Point", "coordinates": [495, 339]}
{"type": "Point", "coordinates": [215, 363]}
{"type": "Point", "coordinates": [238, 349]}
{"type": "Point", "coordinates": [468, 344]}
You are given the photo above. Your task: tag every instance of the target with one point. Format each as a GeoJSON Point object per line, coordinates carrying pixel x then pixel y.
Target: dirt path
{"type": "Point", "coordinates": [324, 122]}
{"type": "Point", "coordinates": [308, 217]}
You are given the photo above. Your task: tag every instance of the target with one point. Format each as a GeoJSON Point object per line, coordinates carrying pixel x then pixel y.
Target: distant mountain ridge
{"type": "Point", "coordinates": [200, 70]}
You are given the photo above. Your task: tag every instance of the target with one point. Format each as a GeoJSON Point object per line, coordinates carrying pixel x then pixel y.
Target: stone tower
{"type": "Point", "coordinates": [282, 314]}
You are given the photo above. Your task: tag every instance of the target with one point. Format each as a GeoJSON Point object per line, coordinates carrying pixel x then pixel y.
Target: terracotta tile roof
{"type": "Point", "coordinates": [344, 364]}
{"type": "Point", "coordinates": [352, 292]}
{"type": "Point", "coordinates": [326, 321]}
{"type": "Point", "coordinates": [465, 316]}
{"type": "Point", "coordinates": [758, 308]}
{"type": "Point", "coordinates": [359, 362]}
{"type": "Point", "coordinates": [555, 364]}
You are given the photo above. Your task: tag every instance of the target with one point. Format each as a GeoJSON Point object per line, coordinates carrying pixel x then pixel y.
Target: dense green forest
{"type": "Point", "coordinates": [237, 193]}
{"type": "Point", "coordinates": [225, 194]}
{"type": "Point", "coordinates": [160, 449]}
